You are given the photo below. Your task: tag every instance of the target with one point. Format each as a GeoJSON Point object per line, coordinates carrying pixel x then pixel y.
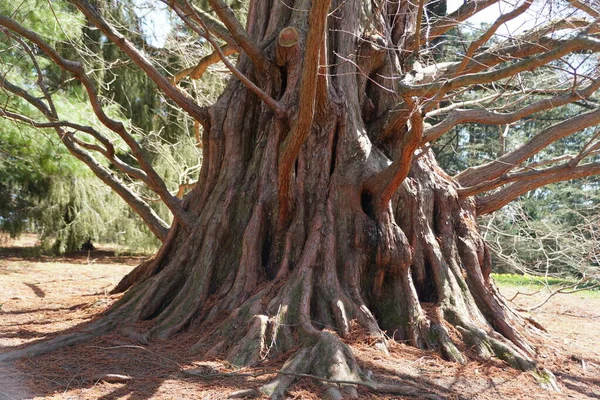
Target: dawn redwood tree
{"type": "Point", "coordinates": [320, 206]}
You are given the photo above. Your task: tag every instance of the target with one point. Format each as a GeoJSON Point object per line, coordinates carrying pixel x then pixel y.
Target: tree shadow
{"type": "Point", "coordinates": [36, 253]}
{"type": "Point", "coordinates": [38, 310]}
{"type": "Point", "coordinates": [384, 374]}
{"type": "Point", "coordinates": [23, 334]}
{"type": "Point", "coordinates": [80, 368]}
{"type": "Point", "coordinates": [574, 383]}
{"type": "Point", "coordinates": [36, 290]}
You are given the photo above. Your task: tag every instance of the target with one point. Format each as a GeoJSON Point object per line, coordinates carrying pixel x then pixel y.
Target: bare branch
{"type": "Point", "coordinates": [594, 13]}
{"type": "Point", "coordinates": [444, 24]}
{"type": "Point", "coordinates": [198, 70]}
{"type": "Point", "coordinates": [240, 35]}
{"type": "Point", "coordinates": [570, 289]}
{"type": "Point", "coordinates": [535, 179]}
{"type": "Point", "coordinates": [492, 170]}
{"type": "Point", "coordinates": [482, 116]}
{"type": "Point", "coordinates": [417, 36]}
{"type": "Point", "coordinates": [197, 14]}
{"type": "Point", "coordinates": [268, 100]}
{"type": "Point", "coordinates": [580, 42]}
{"type": "Point", "coordinates": [475, 45]}
{"type": "Point", "coordinates": [524, 45]}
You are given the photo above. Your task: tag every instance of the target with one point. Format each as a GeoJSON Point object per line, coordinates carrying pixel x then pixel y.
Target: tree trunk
{"type": "Point", "coordinates": [275, 260]}
{"type": "Point", "coordinates": [414, 268]}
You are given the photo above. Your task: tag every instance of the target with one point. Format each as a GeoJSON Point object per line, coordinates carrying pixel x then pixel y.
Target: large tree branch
{"type": "Point", "coordinates": [475, 45]}
{"type": "Point", "coordinates": [526, 44]}
{"type": "Point", "coordinates": [155, 181]}
{"type": "Point", "coordinates": [587, 8]}
{"type": "Point", "coordinates": [383, 184]}
{"type": "Point", "coordinates": [482, 116]}
{"type": "Point", "coordinates": [444, 24]}
{"type": "Point", "coordinates": [141, 60]}
{"type": "Point", "coordinates": [527, 173]}
{"type": "Point", "coordinates": [494, 169]}
{"type": "Point", "coordinates": [240, 35]}
{"type": "Point", "coordinates": [268, 100]}
{"type": "Point", "coordinates": [199, 69]}
{"type": "Point", "coordinates": [534, 180]}
{"type": "Point", "coordinates": [152, 220]}
{"type": "Point", "coordinates": [308, 91]}
{"type": "Point", "coordinates": [437, 89]}
{"type": "Point", "coordinates": [197, 14]}
{"type": "Point", "coordinates": [419, 23]}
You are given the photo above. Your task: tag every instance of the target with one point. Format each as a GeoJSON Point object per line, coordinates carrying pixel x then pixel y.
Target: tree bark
{"type": "Point", "coordinates": [310, 220]}
{"type": "Point", "coordinates": [305, 221]}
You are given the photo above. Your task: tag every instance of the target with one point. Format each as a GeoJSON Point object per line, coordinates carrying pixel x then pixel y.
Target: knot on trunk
{"type": "Point", "coordinates": [287, 45]}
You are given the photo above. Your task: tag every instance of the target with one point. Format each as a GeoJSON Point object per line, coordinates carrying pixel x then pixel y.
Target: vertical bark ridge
{"type": "Point", "coordinates": [412, 268]}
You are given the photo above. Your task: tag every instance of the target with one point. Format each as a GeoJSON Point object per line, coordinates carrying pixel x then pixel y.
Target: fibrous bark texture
{"type": "Point", "coordinates": [350, 226]}
{"type": "Point", "coordinates": [306, 221]}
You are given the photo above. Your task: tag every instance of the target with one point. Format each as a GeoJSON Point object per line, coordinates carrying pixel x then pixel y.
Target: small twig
{"type": "Point", "coordinates": [563, 290]}
{"type": "Point", "coordinates": [525, 294]}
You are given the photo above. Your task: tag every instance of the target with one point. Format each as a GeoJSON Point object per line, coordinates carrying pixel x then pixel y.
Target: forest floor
{"type": "Point", "coordinates": [42, 296]}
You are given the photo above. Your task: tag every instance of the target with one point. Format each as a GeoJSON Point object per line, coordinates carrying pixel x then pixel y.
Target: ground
{"type": "Point", "coordinates": [42, 296]}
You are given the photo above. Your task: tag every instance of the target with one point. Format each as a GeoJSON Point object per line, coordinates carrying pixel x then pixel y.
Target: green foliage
{"type": "Point", "coordinates": [55, 21]}
{"type": "Point", "coordinates": [534, 282]}
{"type": "Point", "coordinates": [46, 190]}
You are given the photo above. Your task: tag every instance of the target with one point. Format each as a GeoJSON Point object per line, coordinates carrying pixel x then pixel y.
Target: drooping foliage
{"type": "Point", "coordinates": [43, 188]}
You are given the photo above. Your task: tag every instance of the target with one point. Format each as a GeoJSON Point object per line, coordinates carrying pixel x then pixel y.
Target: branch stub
{"type": "Point", "coordinates": [288, 37]}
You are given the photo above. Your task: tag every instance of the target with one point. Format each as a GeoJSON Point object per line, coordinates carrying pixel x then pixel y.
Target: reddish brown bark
{"type": "Point", "coordinates": [306, 222]}
{"type": "Point", "coordinates": [317, 203]}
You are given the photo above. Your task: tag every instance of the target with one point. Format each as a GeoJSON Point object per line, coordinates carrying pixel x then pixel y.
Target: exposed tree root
{"type": "Point", "coordinates": [150, 266]}
{"type": "Point", "coordinates": [332, 364]}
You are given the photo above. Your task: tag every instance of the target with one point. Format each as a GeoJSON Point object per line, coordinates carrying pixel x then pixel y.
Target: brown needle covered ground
{"type": "Point", "coordinates": [40, 297]}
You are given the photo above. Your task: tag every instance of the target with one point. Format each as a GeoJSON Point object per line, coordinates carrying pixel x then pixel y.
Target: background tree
{"type": "Point", "coordinates": [541, 233]}
{"type": "Point", "coordinates": [44, 188]}
{"type": "Point", "coordinates": [319, 201]}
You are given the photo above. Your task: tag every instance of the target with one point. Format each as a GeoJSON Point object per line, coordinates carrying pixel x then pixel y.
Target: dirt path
{"type": "Point", "coordinates": [41, 297]}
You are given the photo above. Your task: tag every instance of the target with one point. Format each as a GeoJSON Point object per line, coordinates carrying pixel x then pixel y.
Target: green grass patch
{"type": "Point", "coordinates": [537, 282]}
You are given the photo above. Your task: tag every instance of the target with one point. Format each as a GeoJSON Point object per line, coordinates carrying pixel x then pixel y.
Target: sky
{"type": "Point", "coordinates": [155, 21]}
{"type": "Point", "coordinates": [157, 26]}
{"type": "Point", "coordinates": [539, 12]}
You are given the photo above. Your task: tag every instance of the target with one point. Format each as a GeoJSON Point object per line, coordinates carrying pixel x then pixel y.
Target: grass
{"type": "Point", "coordinates": [537, 282]}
